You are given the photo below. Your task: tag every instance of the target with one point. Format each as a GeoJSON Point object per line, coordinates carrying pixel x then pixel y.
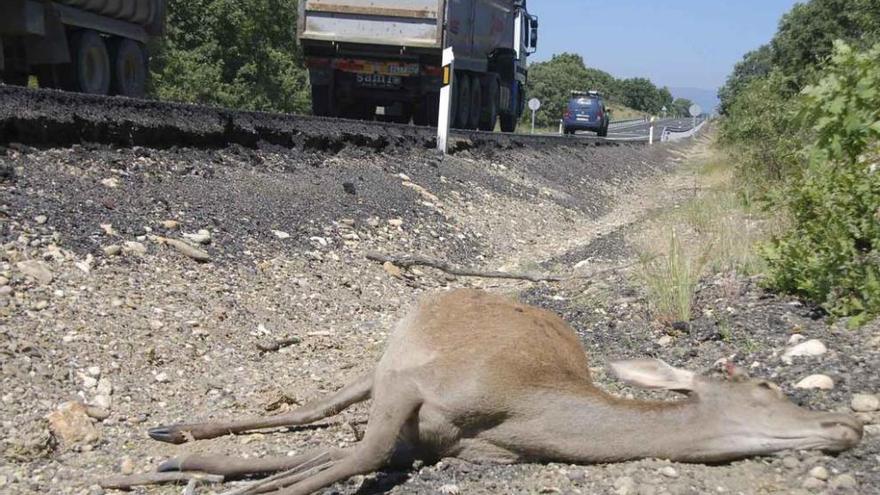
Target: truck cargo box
{"type": "Point", "coordinates": [412, 23]}
{"type": "Point", "coordinates": [146, 13]}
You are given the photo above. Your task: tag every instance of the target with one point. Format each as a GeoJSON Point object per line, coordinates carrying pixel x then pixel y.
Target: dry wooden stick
{"type": "Point", "coordinates": [408, 261]}
{"type": "Point", "coordinates": [127, 482]}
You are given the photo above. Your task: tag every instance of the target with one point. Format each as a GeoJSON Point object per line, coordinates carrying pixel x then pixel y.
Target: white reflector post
{"type": "Point", "coordinates": [445, 100]}
{"type": "Point", "coordinates": [651, 132]}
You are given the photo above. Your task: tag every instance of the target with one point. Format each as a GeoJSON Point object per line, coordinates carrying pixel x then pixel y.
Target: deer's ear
{"type": "Point", "coordinates": [653, 373]}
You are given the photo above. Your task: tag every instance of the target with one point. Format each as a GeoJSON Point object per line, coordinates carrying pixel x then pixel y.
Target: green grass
{"type": "Point", "coordinates": [671, 281]}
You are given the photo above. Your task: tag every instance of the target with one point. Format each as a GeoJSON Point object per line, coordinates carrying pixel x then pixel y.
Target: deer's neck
{"type": "Point", "coordinates": [596, 427]}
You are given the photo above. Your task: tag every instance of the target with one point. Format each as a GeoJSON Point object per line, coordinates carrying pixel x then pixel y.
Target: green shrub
{"type": "Point", "coordinates": [831, 255]}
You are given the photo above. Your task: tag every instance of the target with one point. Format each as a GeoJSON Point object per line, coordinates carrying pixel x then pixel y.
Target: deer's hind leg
{"type": "Point", "coordinates": [231, 467]}
{"type": "Point", "coordinates": [389, 438]}
{"type": "Point", "coordinates": [357, 391]}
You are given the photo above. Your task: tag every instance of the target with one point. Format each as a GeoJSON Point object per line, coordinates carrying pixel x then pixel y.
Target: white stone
{"type": "Point", "coordinates": [94, 371]}
{"type": "Point", "coordinates": [281, 234]}
{"type": "Point", "coordinates": [162, 377]}
{"type": "Point", "coordinates": [669, 472]}
{"type": "Point", "coordinates": [103, 401]}
{"type": "Point", "coordinates": [36, 270]}
{"type": "Point", "coordinates": [795, 339]}
{"type": "Point", "coordinates": [811, 347]}
{"type": "Point", "coordinates": [865, 403]}
{"type": "Point", "coordinates": [818, 381]}
{"type": "Point", "coordinates": [820, 473]}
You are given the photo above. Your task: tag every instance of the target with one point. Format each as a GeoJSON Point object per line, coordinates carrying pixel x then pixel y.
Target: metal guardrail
{"type": "Point", "coordinates": [670, 135]}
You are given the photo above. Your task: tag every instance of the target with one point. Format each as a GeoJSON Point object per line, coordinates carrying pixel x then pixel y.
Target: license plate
{"type": "Point", "coordinates": [379, 81]}
{"type": "Point", "coordinates": [587, 119]}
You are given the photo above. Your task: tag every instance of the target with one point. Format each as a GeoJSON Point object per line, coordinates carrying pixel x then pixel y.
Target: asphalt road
{"type": "Point", "coordinates": [640, 130]}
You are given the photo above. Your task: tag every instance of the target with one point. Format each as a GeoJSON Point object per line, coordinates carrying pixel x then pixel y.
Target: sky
{"type": "Point", "coordinates": [675, 43]}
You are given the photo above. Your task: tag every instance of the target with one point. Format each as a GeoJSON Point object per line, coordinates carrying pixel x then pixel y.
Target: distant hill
{"type": "Point", "coordinates": [706, 98]}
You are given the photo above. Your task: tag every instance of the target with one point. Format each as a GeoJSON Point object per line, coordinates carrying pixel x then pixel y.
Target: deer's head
{"type": "Point", "coordinates": [737, 417]}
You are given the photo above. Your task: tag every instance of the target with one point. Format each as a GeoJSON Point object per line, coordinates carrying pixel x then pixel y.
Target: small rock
{"type": "Point", "coordinates": [664, 340]}
{"type": "Point", "coordinates": [98, 413]}
{"type": "Point", "coordinates": [156, 324]}
{"type": "Point", "coordinates": [449, 489]}
{"type": "Point", "coordinates": [872, 430]}
{"type": "Point", "coordinates": [811, 483]}
{"type": "Point", "coordinates": [349, 188]}
{"type": "Point", "coordinates": [41, 219]}
{"type": "Point", "coordinates": [108, 229]}
{"type": "Point", "coordinates": [4, 281]}
{"type": "Point", "coordinates": [103, 401]}
{"type": "Point", "coordinates": [624, 485]}
{"type": "Point", "coordinates": [70, 424]}
{"type": "Point", "coordinates": [392, 269]}
{"type": "Point", "coordinates": [795, 339]}
{"type": "Point", "coordinates": [170, 224]}
{"type": "Point", "coordinates": [112, 250]}
{"type": "Point", "coordinates": [791, 462]}
{"type": "Point", "coordinates": [134, 248]}
{"type": "Point", "coordinates": [89, 382]}
{"type": "Point", "coordinates": [646, 489]}
{"type": "Point", "coordinates": [819, 472]}
{"type": "Point", "coordinates": [126, 465]}
{"type": "Point", "coordinates": [577, 476]}
{"type": "Point", "coordinates": [94, 371]}
{"type": "Point", "coordinates": [813, 347]}
{"type": "Point", "coordinates": [111, 182]}
{"type": "Point", "coordinates": [162, 377]}
{"type": "Point", "coordinates": [844, 482]}
{"type": "Point", "coordinates": [818, 381]}
{"type": "Point", "coordinates": [669, 472]}
{"type": "Point", "coordinates": [105, 387]}
{"type": "Point", "coordinates": [5, 290]}
{"type": "Point", "coordinates": [202, 237]}
{"type": "Point", "coordinates": [96, 490]}
{"type": "Point", "coordinates": [187, 250]}
{"type": "Point", "coordinates": [865, 403]}
{"type": "Point", "coordinates": [41, 305]}
{"type": "Point", "coordinates": [37, 270]}
{"type": "Point", "coordinates": [281, 234]}
{"type": "Point", "coordinates": [395, 222]}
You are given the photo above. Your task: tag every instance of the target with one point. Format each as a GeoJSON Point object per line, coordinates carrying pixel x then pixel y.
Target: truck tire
{"type": "Point", "coordinates": [322, 101]}
{"type": "Point", "coordinates": [14, 78]}
{"type": "Point", "coordinates": [427, 113]}
{"type": "Point", "coordinates": [490, 105]}
{"type": "Point", "coordinates": [129, 68]}
{"type": "Point", "coordinates": [463, 109]}
{"type": "Point", "coordinates": [89, 71]}
{"type": "Point", "coordinates": [508, 122]}
{"type": "Point", "coordinates": [476, 102]}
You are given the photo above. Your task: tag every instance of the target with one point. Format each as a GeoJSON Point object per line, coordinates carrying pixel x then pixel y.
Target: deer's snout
{"type": "Point", "coordinates": [842, 430]}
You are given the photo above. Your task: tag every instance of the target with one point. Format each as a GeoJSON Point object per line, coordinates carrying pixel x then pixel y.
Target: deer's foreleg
{"type": "Point", "coordinates": [352, 393]}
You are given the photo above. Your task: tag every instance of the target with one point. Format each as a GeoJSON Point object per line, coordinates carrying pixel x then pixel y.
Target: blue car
{"type": "Point", "coordinates": [586, 112]}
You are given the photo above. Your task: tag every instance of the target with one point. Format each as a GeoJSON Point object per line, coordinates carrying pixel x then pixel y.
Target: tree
{"type": "Point", "coordinates": [641, 94]}
{"type": "Point", "coordinates": [230, 53]}
{"type": "Point", "coordinates": [807, 33]}
{"type": "Point", "coordinates": [754, 65]}
{"type": "Point", "coordinates": [681, 107]}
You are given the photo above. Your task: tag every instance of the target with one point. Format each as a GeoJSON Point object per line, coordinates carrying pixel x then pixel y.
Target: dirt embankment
{"type": "Point", "coordinates": [96, 307]}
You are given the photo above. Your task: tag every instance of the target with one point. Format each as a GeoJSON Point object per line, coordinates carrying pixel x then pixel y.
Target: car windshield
{"type": "Point", "coordinates": [583, 103]}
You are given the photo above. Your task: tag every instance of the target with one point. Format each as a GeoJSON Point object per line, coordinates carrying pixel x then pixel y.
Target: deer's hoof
{"type": "Point", "coordinates": [168, 434]}
{"type": "Point", "coordinates": [175, 464]}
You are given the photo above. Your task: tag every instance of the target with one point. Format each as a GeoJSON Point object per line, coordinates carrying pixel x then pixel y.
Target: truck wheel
{"type": "Point", "coordinates": [490, 105]}
{"type": "Point", "coordinates": [508, 122]}
{"type": "Point", "coordinates": [129, 68]}
{"type": "Point", "coordinates": [14, 78]}
{"type": "Point", "coordinates": [476, 102]}
{"type": "Point", "coordinates": [322, 101]}
{"type": "Point", "coordinates": [463, 111]}
{"type": "Point", "coordinates": [428, 111]}
{"type": "Point", "coordinates": [89, 71]}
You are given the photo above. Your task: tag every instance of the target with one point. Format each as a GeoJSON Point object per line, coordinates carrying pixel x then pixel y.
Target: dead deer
{"type": "Point", "coordinates": [482, 378]}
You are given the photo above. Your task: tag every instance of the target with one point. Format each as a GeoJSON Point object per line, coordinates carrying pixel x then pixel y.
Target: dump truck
{"type": "Point", "coordinates": [382, 59]}
{"type": "Point", "coordinates": [89, 46]}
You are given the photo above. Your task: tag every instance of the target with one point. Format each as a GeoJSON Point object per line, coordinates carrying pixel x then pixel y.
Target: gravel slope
{"type": "Point", "coordinates": [156, 337]}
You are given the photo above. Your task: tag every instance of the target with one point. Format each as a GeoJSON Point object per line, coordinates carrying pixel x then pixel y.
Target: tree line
{"type": "Point", "coordinates": [802, 116]}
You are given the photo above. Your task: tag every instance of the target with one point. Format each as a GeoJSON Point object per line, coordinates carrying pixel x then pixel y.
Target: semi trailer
{"type": "Point", "coordinates": [89, 46]}
{"type": "Point", "coordinates": [382, 59]}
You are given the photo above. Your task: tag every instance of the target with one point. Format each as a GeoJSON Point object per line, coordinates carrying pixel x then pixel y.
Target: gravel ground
{"type": "Point", "coordinates": [96, 308]}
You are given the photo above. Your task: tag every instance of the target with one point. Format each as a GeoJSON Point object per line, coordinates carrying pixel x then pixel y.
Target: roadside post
{"type": "Point", "coordinates": [651, 132]}
{"type": "Point", "coordinates": [695, 110]}
{"type": "Point", "coordinates": [561, 127]}
{"type": "Point", "coordinates": [534, 105]}
{"type": "Point", "coordinates": [445, 101]}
